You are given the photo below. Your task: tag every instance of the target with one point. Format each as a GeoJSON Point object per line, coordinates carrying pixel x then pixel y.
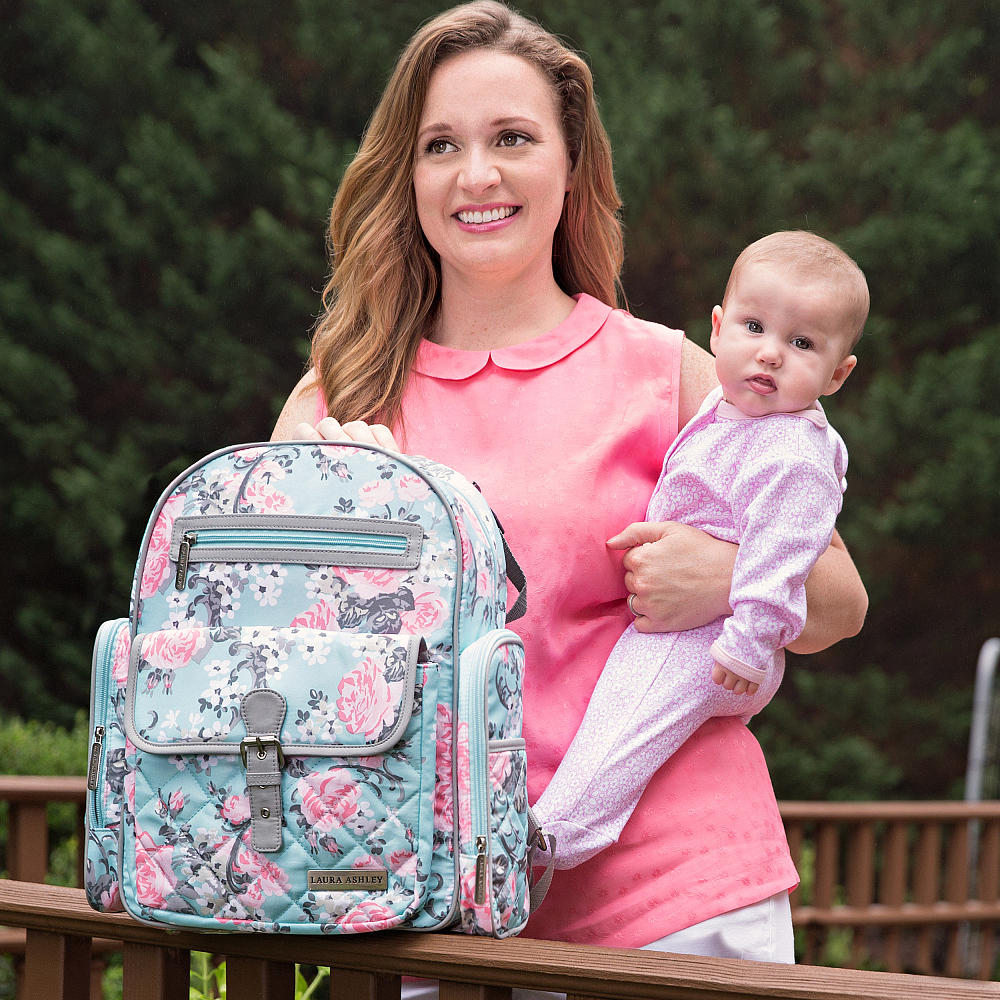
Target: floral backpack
{"type": "Point", "coordinates": [311, 720]}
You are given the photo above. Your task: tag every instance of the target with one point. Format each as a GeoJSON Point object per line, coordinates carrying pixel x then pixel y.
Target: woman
{"type": "Point", "coordinates": [475, 248]}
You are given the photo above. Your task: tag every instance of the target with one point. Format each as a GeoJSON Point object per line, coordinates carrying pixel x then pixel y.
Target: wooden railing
{"type": "Point", "coordinates": [898, 885]}
{"type": "Point", "coordinates": [368, 967]}
{"type": "Point", "coordinates": [886, 886]}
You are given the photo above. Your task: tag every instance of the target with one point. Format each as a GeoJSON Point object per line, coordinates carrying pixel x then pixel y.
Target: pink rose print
{"type": "Point", "coordinates": [480, 912]}
{"type": "Point", "coordinates": [320, 616]}
{"type": "Point", "coordinates": [157, 566]}
{"type": "Point", "coordinates": [403, 863]}
{"type": "Point", "coordinates": [371, 582]}
{"type": "Point", "coordinates": [365, 862]}
{"type": "Point", "coordinates": [172, 648]}
{"type": "Point", "coordinates": [444, 806]}
{"type": "Point", "coordinates": [412, 488]}
{"type": "Point", "coordinates": [377, 493]}
{"type": "Point", "coordinates": [119, 664]}
{"type": "Point", "coordinates": [468, 557]}
{"type": "Point", "coordinates": [266, 878]}
{"type": "Point", "coordinates": [428, 612]}
{"type": "Point", "coordinates": [176, 803]}
{"type": "Point", "coordinates": [154, 877]}
{"type": "Point", "coordinates": [367, 916]}
{"type": "Point", "coordinates": [329, 799]}
{"type": "Point", "coordinates": [365, 704]}
{"type": "Point", "coordinates": [499, 769]}
{"type": "Point", "coordinates": [109, 898]}
{"type": "Point", "coordinates": [236, 809]}
{"type": "Point", "coordinates": [264, 498]}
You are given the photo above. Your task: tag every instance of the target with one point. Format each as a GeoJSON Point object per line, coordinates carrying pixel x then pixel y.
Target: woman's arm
{"type": "Point", "coordinates": [298, 417]}
{"type": "Point", "coordinates": [299, 408]}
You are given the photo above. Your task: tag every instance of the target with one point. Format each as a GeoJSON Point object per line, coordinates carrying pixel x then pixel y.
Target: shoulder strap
{"type": "Point", "coordinates": [516, 576]}
{"type": "Point", "coordinates": [539, 843]}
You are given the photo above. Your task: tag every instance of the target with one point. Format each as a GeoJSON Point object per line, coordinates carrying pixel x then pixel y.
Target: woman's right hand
{"type": "Point", "coordinates": [680, 576]}
{"type": "Point", "coordinates": [330, 429]}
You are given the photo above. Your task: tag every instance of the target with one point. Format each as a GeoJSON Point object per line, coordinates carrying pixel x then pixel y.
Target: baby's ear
{"type": "Point", "coordinates": [840, 374]}
{"type": "Point", "coordinates": [716, 324]}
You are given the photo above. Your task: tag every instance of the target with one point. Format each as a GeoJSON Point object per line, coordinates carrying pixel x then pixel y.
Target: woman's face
{"type": "Point", "coordinates": [491, 168]}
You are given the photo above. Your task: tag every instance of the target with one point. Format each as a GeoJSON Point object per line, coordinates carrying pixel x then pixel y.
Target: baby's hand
{"type": "Point", "coordinates": [733, 682]}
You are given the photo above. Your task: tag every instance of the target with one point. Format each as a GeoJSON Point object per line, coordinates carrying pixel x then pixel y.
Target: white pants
{"type": "Point", "coordinates": [761, 932]}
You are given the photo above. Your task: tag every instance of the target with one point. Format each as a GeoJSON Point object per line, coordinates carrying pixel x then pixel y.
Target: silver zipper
{"type": "Point", "coordinates": [480, 870]}
{"type": "Point", "coordinates": [183, 555]}
{"type": "Point", "coordinates": [95, 758]}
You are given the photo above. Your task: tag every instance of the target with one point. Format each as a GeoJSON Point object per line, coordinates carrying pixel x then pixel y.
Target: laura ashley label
{"type": "Point", "coordinates": [347, 880]}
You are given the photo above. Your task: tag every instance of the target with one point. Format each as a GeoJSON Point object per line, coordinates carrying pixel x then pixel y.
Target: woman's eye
{"type": "Point", "coordinates": [512, 139]}
{"type": "Point", "coordinates": [439, 146]}
{"type": "Point", "coordinates": [754, 327]}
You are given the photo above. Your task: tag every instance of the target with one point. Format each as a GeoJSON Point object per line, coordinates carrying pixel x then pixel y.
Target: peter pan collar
{"type": "Point", "coordinates": [588, 316]}
{"type": "Point", "coordinates": [726, 411]}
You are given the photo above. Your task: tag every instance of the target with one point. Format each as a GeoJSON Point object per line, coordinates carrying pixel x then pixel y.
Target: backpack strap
{"type": "Point", "coordinates": [516, 577]}
{"type": "Point", "coordinates": [540, 842]}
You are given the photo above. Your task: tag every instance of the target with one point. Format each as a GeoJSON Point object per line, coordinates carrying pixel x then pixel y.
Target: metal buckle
{"type": "Point", "coordinates": [259, 742]}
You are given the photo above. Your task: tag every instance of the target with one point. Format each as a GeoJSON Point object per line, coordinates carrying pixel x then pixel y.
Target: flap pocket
{"type": "Point", "coordinates": [348, 694]}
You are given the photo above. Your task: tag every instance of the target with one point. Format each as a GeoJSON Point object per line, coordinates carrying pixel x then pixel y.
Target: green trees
{"type": "Point", "coordinates": [165, 172]}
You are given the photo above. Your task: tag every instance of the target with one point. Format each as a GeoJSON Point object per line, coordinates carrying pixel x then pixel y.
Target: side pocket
{"type": "Point", "coordinates": [492, 787]}
{"type": "Point", "coordinates": [106, 766]}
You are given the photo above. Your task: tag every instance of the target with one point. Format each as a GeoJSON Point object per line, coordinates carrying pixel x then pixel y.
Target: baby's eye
{"type": "Point", "coordinates": [754, 327]}
{"type": "Point", "coordinates": [513, 139]}
{"type": "Point", "coordinates": [802, 343]}
{"type": "Point", "coordinates": [439, 146]}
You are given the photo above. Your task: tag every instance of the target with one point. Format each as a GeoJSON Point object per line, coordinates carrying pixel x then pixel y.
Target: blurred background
{"type": "Point", "coordinates": [166, 169]}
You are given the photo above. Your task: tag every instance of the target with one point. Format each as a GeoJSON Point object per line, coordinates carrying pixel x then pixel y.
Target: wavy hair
{"type": "Point", "coordinates": [382, 295]}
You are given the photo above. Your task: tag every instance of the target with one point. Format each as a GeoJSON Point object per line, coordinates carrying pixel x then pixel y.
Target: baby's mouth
{"type": "Point", "coordinates": [763, 383]}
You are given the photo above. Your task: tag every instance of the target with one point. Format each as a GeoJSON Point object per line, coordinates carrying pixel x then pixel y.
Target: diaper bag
{"type": "Point", "coordinates": [310, 722]}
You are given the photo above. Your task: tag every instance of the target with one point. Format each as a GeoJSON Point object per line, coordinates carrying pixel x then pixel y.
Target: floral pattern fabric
{"type": "Point", "coordinates": [372, 755]}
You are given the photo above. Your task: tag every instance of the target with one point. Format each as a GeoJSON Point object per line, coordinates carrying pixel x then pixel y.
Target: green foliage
{"type": "Point", "coordinates": [165, 174]}
{"type": "Point", "coordinates": [208, 980]}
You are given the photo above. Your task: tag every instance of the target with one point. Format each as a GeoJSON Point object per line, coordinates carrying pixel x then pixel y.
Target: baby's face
{"type": "Point", "coordinates": [781, 342]}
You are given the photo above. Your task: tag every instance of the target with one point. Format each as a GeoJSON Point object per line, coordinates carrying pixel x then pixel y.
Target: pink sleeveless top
{"type": "Point", "coordinates": [565, 435]}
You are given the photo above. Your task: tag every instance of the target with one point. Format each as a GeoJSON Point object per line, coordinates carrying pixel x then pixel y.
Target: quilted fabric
{"type": "Point", "coordinates": [348, 581]}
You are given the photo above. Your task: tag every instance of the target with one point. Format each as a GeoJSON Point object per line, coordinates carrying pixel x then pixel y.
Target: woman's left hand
{"type": "Point", "coordinates": [330, 429]}
{"type": "Point", "coordinates": [680, 576]}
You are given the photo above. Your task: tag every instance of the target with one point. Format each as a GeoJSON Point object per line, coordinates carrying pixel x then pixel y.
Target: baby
{"type": "Point", "coordinates": [758, 465]}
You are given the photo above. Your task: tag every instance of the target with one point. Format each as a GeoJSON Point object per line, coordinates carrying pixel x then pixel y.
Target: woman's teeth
{"type": "Point", "coordinates": [490, 215]}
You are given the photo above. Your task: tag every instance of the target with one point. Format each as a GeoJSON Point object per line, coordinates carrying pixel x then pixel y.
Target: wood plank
{"type": "Point", "coordinates": [608, 972]}
{"type": "Point", "coordinates": [156, 971]}
{"type": "Point", "coordinates": [259, 978]}
{"type": "Point", "coordinates": [56, 966]}
{"type": "Point", "coordinates": [354, 984]}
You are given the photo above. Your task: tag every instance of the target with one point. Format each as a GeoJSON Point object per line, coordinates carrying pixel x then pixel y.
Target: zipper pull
{"type": "Point", "coordinates": [480, 896]}
{"type": "Point", "coordinates": [95, 757]}
{"type": "Point", "coordinates": [183, 555]}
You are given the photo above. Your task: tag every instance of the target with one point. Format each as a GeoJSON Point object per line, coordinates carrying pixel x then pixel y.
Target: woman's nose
{"type": "Point", "coordinates": [479, 172]}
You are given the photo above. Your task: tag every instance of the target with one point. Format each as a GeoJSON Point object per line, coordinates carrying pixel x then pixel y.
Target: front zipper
{"type": "Point", "coordinates": [361, 543]}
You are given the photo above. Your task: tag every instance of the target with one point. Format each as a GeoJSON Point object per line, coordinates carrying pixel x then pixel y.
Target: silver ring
{"type": "Point", "coordinates": [631, 607]}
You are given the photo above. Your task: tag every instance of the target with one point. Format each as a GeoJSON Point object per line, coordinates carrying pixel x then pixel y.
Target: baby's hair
{"type": "Point", "coordinates": [812, 256]}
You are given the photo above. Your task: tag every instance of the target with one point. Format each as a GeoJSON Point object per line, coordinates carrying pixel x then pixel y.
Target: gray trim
{"type": "Point", "coordinates": [495, 746]}
{"type": "Point", "coordinates": [411, 532]}
{"type": "Point", "coordinates": [263, 712]}
{"type": "Point", "coordinates": [226, 746]}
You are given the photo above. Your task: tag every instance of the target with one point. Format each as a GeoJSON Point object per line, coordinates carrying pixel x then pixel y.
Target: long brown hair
{"type": "Point", "coordinates": [382, 295]}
